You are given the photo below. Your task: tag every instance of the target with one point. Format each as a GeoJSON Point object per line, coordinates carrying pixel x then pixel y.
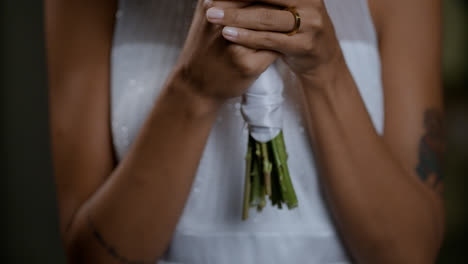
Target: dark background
{"type": "Point", "coordinates": [29, 223]}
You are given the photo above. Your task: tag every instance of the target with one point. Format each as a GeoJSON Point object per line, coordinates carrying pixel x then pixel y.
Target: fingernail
{"type": "Point", "coordinates": [215, 13]}
{"type": "Point", "coordinates": [230, 32]}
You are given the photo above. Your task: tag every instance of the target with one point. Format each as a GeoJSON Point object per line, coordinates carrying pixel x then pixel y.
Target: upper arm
{"type": "Point", "coordinates": [410, 47]}
{"type": "Point", "coordinates": [79, 35]}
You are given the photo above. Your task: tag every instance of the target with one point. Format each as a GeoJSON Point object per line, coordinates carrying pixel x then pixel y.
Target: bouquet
{"type": "Point", "coordinates": [267, 172]}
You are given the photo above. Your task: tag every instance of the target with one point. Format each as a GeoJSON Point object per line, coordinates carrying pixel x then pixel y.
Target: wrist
{"type": "Point", "coordinates": [187, 94]}
{"type": "Point", "coordinates": [326, 80]}
{"type": "Point", "coordinates": [330, 90]}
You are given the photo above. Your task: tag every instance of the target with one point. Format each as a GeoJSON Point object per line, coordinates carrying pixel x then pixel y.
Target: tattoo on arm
{"type": "Point", "coordinates": [431, 149]}
{"type": "Point", "coordinates": [111, 250]}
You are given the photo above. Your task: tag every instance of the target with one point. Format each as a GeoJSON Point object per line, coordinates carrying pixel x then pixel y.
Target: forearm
{"type": "Point", "coordinates": [384, 213]}
{"type": "Point", "coordinates": [138, 207]}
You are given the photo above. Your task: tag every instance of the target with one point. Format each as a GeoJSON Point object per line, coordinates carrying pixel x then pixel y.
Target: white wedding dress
{"type": "Point", "coordinates": [148, 37]}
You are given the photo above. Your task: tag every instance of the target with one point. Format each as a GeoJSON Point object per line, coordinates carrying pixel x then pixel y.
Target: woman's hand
{"type": "Point", "coordinates": [215, 68]}
{"type": "Point", "coordinates": [313, 52]}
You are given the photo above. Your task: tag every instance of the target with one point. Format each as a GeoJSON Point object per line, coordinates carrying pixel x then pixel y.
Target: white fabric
{"type": "Point", "coordinates": [262, 106]}
{"type": "Point", "coordinates": [148, 37]}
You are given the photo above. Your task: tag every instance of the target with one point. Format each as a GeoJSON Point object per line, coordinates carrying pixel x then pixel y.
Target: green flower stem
{"type": "Point", "coordinates": [256, 178]}
{"type": "Point", "coordinates": [263, 200]}
{"type": "Point", "coordinates": [275, 185]}
{"type": "Point", "coordinates": [247, 185]}
{"type": "Point", "coordinates": [292, 199]}
{"type": "Point", "coordinates": [267, 173]}
{"type": "Point", "coordinates": [261, 165]}
{"type": "Point", "coordinates": [279, 167]}
{"type": "Point", "coordinates": [267, 168]}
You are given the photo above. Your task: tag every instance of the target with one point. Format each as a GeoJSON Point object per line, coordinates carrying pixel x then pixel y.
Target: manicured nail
{"type": "Point", "coordinates": [230, 32]}
{"type": "Point", "coordinates": [215, 13]}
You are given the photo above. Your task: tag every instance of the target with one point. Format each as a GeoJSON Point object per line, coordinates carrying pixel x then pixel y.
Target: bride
{"type": "Point", "coordinates": [149, 141]}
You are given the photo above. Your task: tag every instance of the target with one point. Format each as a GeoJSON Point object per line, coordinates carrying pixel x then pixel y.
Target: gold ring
{"type": "Point", "coordinates": [297, 17]}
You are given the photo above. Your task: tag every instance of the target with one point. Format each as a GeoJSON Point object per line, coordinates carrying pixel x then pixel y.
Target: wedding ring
{"type": "Point", "coordinates": [297, 18]}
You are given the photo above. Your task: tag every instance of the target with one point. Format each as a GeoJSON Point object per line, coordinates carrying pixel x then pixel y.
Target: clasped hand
{"type": "Point", "coordinates": [230, 43]}
{"type": "Point", "coordinates": [261, 25]}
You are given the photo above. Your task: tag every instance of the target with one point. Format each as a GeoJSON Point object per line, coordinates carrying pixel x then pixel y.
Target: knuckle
{"type": "Point", "coordinates": [232, 17]}
{"type": "Point", "coordinates": [268, 42]}
{"type": "Point", "coordinates": [318, 3]}
{"type": "Point", "coordinates": [307, 45]}
{"type": "Point", "coordinates": [317, 21]}
{"type": "Point", "coordinates": [248, 68]}
{"type": "Point", "coordinates": [234, 52]}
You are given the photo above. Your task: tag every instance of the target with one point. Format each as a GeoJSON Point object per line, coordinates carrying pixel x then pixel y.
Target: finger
{"type": "Point", "coordinates": [227, 4]}
{"type": "Point", "coordinates": [253, 57]}
{"type": "Point", "coordinates": [284, 3]}
{"type": "Point", "coordinates": [264, 40]}
{"type": "Point", "coordinates": [265, 58]}
{"type": "Point", "coordinates": [256, 18]}
{"type": "Point", "coordinates": [252, 62]}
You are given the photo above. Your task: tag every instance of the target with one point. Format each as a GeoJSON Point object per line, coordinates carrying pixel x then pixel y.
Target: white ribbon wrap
{"type": "Point", "coordinates": [262, 106]}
